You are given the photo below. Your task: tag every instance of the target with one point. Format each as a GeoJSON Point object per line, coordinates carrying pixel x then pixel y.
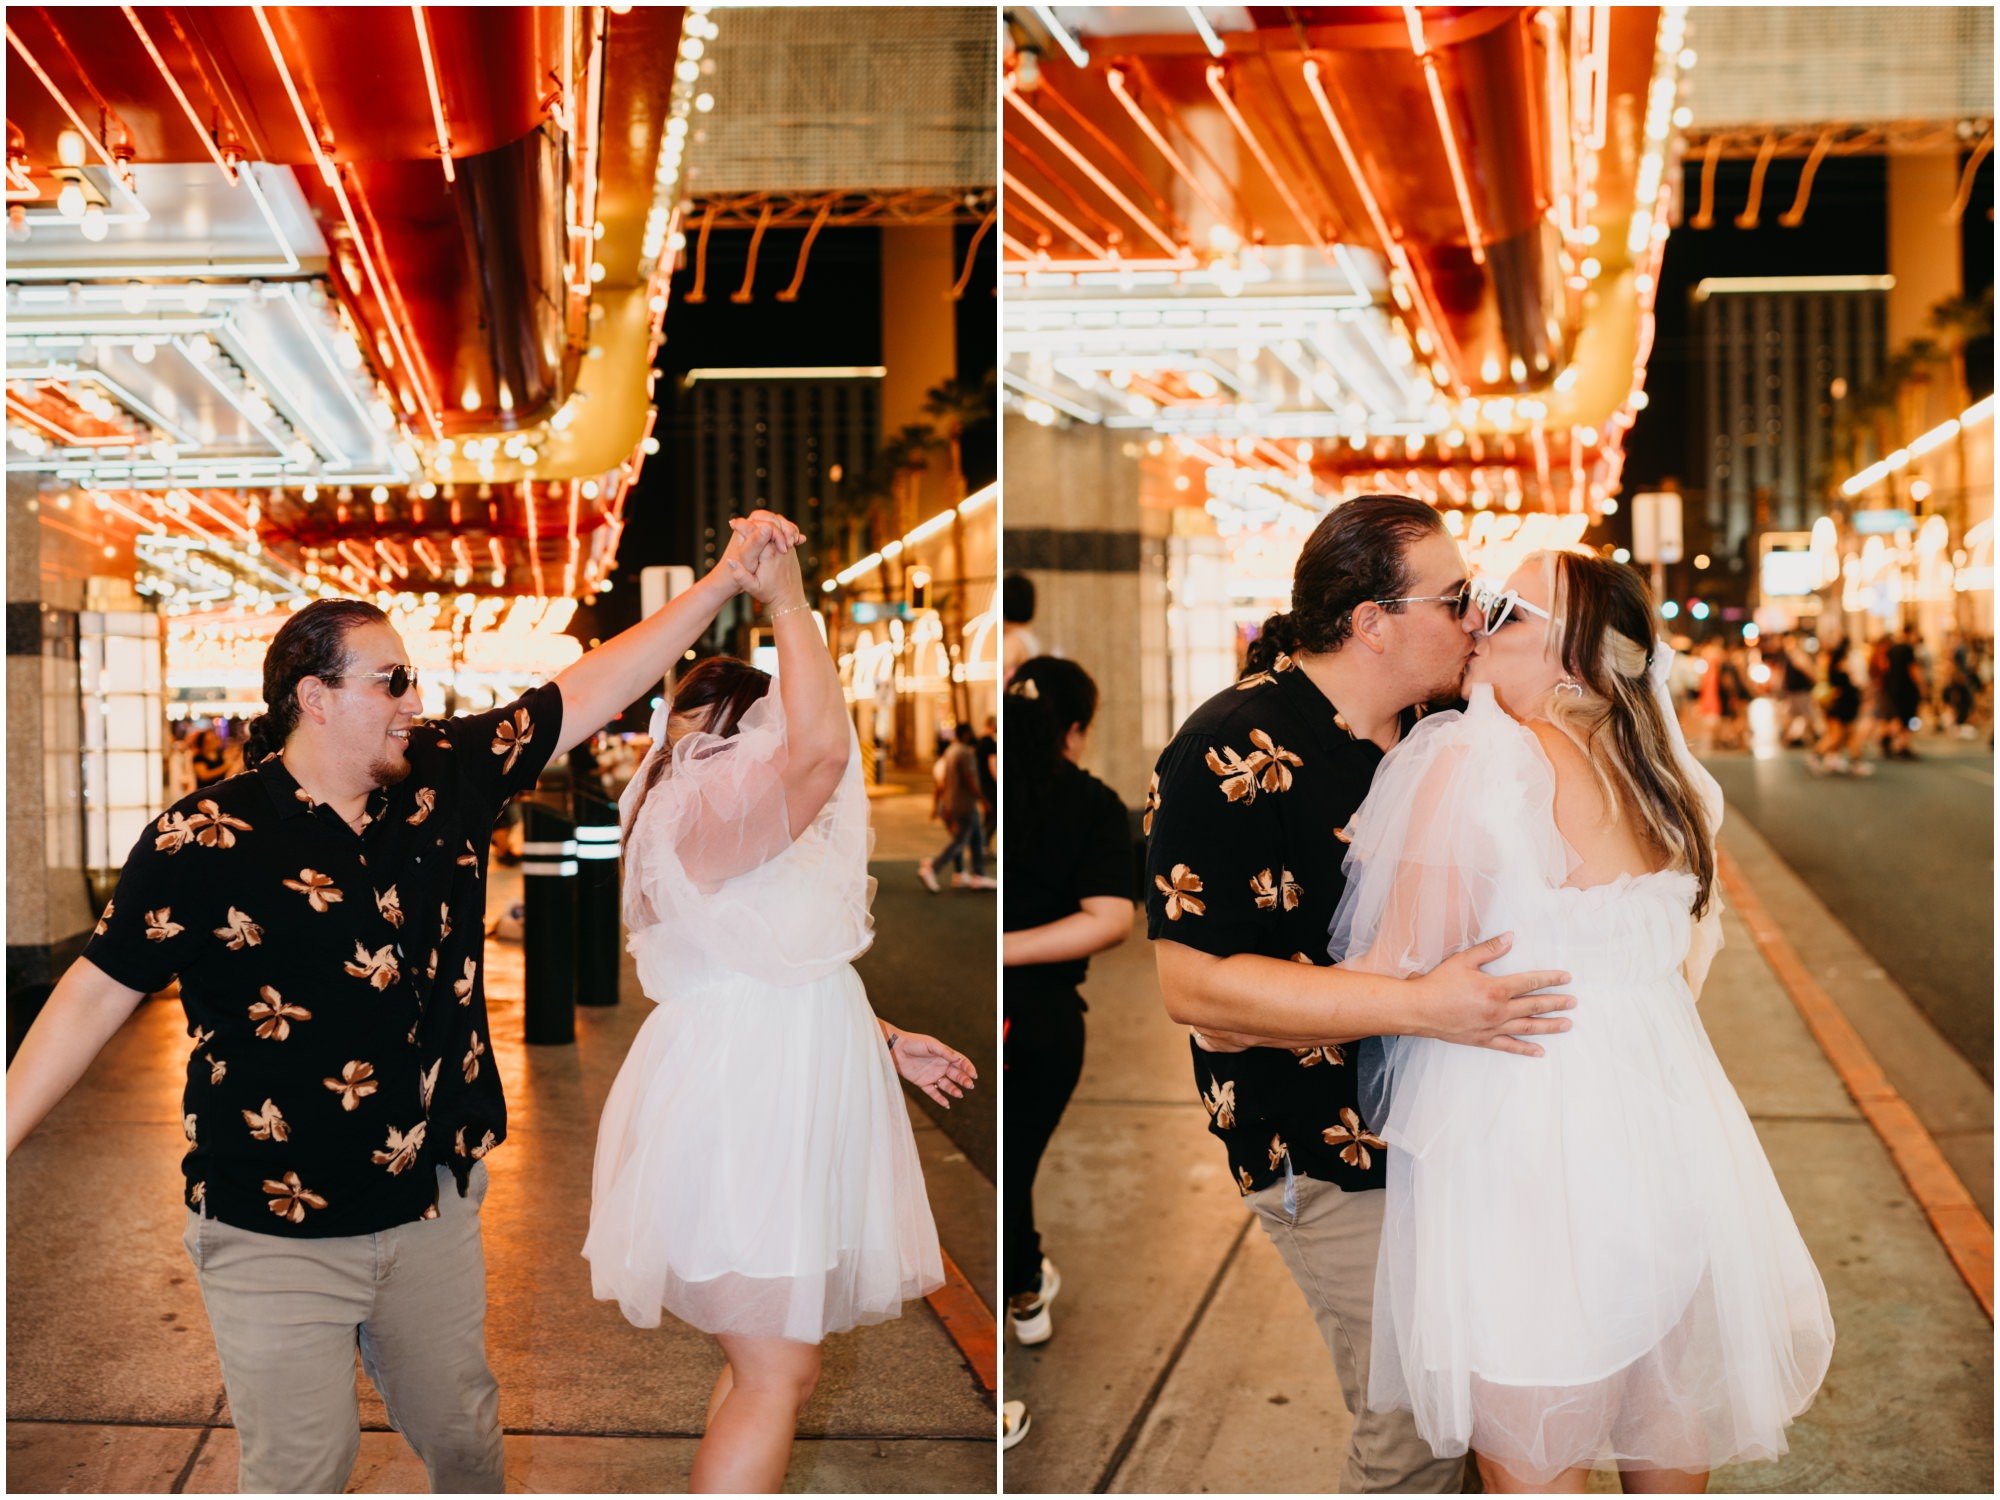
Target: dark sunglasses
{"type": "Point", "coordinates": [400, 679]}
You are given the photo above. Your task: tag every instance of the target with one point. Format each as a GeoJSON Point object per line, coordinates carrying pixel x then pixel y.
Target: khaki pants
{"type": "Point", "coordinates": [1329, 1246]}
{"type": "Point", "coordinates": [288, 1314]}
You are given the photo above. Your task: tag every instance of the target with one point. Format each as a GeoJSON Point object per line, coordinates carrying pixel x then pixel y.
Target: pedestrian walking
{"type": "Point", "coordinates": [956, 803]}
{"type": "Point", "coordinates": [1068, 895]}
{"type": "Point", "coordinates": [1838, 751]}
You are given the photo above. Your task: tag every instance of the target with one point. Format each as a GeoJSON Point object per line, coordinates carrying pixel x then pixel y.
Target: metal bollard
{"type": "Point", "coordinates": [548, 939]}
{"type": "Point", "coordinates": [599, 937]}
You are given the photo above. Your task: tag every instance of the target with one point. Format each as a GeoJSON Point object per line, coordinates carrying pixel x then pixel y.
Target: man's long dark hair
{"type": "Point", "coordinates": [312, 643]}
{"type": "Point", "coordinates": [1358, 552]}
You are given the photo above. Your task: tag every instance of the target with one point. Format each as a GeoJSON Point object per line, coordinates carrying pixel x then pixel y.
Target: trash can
{"type": "Point", "coordinates": [548, 939]}
{"type": "Point", "coordinates": [598, 933]}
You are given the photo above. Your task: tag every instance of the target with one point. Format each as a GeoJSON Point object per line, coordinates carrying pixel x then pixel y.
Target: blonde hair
{"type": "Point", "coordinates": [1602, 633]}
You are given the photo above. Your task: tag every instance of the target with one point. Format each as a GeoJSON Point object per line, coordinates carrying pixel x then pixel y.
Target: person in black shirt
{"type": "Point", "coordinates": [1068, 894]}
{"type": "Point", "coordinates": [1245, 818]}
{"type": "Point", "coordinates": [209, 762]}
{"type": "Point", "coordinates": [323, 913]}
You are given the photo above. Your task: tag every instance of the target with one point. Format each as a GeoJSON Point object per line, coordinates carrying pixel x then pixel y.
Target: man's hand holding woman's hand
{"type": "Point", "coordinates": [753, 539]}
{"type": "Point", "coordinates": [769, 573]}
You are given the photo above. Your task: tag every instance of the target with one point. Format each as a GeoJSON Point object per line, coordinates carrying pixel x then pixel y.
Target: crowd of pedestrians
{"type": "Point", "coordinates": [1837, 699]}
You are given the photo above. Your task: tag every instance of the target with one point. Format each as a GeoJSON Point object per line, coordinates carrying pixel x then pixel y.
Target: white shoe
{"type": "Point", "coordinates": [1028, 1313]}
{"type": "Point", "coordinates": [980, 883]}
{"type": "Point", "coordinates": [929, 877]}
{"type": "Point", "coordinates": [1015, 1420]}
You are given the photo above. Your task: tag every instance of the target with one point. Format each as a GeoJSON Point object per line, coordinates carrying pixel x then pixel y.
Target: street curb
{"type": "Point", "coordinates": [969, 1321]}
{"type": "Point", "coordinates": [1956, 1219]}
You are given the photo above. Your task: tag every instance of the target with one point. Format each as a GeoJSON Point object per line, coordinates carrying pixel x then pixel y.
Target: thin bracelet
{"type": "Point", "coordinates": [792, 610]}
{"type": "Point", "coordinates": [894, 1037]}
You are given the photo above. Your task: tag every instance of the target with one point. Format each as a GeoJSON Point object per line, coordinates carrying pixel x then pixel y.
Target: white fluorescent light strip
{"type": "Point", "coordinates": [1061, 33]}
{"type": "Point", "coordinates": [128, 399]}
{"type": "Point", "coordinates": [1043, 393]}
{"type": "Point", "coordinates": [1717, 285]}
{"type": "Point", "coordinates": [236, 402]}
{"type": "Point", "coordinates": [342, 379]}
{"type": "Point", "coordinates": [1208, 36]}
{"type": "Point", "coordinates": [790, 372]}
{"type": "Point", "coordinates": [281, 399]}
{"type": "Point", "coordinates": [202, 270]}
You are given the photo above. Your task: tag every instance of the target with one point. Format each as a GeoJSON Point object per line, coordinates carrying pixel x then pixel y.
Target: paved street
{"type": "Point", "coordinates": [1904, 860]}
{"type": "Point", "coordinates": [112, 1381]}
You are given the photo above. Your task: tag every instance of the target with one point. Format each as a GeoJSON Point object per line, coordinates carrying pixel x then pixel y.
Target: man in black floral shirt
{"type": "Point", "coordinates": [324, 914]}
{"type": "Point", "coordinates": [1245, 823]}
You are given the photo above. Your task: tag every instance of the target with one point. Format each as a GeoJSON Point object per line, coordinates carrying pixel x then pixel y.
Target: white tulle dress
{"type": "Point", "coordinates": [1585, 1256]}
{"type": "Point", "coordinates": [755, 1173]}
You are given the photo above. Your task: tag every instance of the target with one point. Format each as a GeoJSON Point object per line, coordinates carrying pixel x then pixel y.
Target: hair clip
{"type": "Point", "coordinates": [1023, 687]}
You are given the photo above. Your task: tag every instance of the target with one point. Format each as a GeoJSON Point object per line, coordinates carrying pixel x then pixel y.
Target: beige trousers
{"type": "Point", "coordinates": [288, 1315]}
{"type": "Point", "coordinates": [1329, 1246]}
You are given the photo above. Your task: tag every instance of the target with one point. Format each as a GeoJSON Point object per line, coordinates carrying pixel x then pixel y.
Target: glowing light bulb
{"type": "Point", "coordinates": [94, 227]}
{"type": "Point", "coordinates": [69, 202]}
{"type": "Point", "coordinates": [69, 149]}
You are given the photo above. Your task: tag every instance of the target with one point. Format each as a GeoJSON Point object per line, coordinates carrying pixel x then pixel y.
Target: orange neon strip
{"type": "Point", "coordinates": [173, 85]}
{"type": "Point", "coordinates": [972, 253]}
{"type": "Point", "coordinates": [1019, 250]}
{"type": "Point", "coordinates": [791, 293]}
{"type": "Point", "coordinates": [119, 173]}
{"type": "Point", "coordinates": [1115, 78]}
{"type": "Point", "coordinates": [1216, 73]}
{"type": "Point", "coordinates": [534, 535]}
{"type": "Point", "coordinates": [1104, 184]}
{"type": "Point", "coordinates": [1415, 20]}
{"type": "Point", "coordinates": [1015, 185]}
{"type": "Point", "coordinates": [437, 93]}
{"type": "Point", "coordinates": [742, 293]}
{"type": "Point", "coordinates": [331, 175]}
{"type": "Point", "coordinates": [698, 292]}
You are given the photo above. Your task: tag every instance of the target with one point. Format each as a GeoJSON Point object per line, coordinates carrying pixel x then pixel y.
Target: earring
{"type": "Point", "coordinates": [1571, 686]}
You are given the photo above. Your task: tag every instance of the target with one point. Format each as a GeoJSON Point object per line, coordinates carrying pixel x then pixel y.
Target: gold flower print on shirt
{"type": "Point", "coordinates": [198, 1192]}
{"type": "Point", "coordinates": [1278, 762]}
{"type": "Point", "coordinates": [1152, 805]}
{"type": "Point", "coordinates": [463, 987]}
{"type": "Point", "coordinates": [218, 1068]}
{"type": "Point", "coordinates": [426, 800]}
{"type": "Point", "coordinates": [1264, 890]}
{"type": "Point", "coordinates": [1220, 1102]}
{"type": "Point", "coordinates": [390, 905]}
{"type": "Point", "coordinates": [319, 890]}
{"type": "Point", "coordinates": [1243, 1183]}
{"type": "Point", "coordinates": [1284, 663]}
{"type": "Point", "coordinates": [274, 1014]}
{"type": "Point", "coordinates": [356, 1082]}
{"type": "Point", "coordinates": [470, 859]}
{"type": "Point", "coordinates": [1289, 891]}
{"type": "Point", "coordinates": [239, 931]}
{"type": "Point", "coordinates": [472, 1055]}
{"type": "Point", "coordinates": [512, 737]}
{"type": "Point", "coordinates": [103, 922]}
{"type": "Point", "coordinates": [1312, 1057]}
{"type": "Point", "coordinates": [214, 828]}
{"type": "Point", "coordinates": [444, 920]}
{"type": "Point", "coordinates": [1239, 776]}
{"type": "Point", "coordinates": [431, 968]}
{"type": "Point", "coordinates": [202, 1037]}
{"type": "Point", "coordinates": [378, 968]}
{"type": "Point", "coordinates": [188, 1124]}
{"type": "Point", "coordinates": [1353, 1139]}
{"type": "Point", "coordinates": [1181, 892]}
{"type": "Point", "coordinates": [1276, 1151]}
{"type": "Point", "coordinates": [290, 1198]}
{"type": "Point", "coordinates": [427, 1085]}
{"type": "Point", "coordinates": [401, 1152]}
{"type": "Point", "coordinates": [268, 1123]}
{"type": "Point", "coordinates": [160, 925]}
{"type": "Point", "coordinates": [486, 1144]}
{"type": "Point", "coordinates": [174, 833]}
{"type": "Point", "coordinates": [1343, 835]}
{"type": "Point", "coordinates": [1300, 958]}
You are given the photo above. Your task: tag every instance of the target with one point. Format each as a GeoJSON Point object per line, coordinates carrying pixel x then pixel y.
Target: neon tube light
{"type": "Point", "coordinates": [1015, 185]}
{"type": "Point", "coordinates": [1061, 33]}
{"type": "Point", "coordinates": [1216, 73]}
{"type": "Point", "coordinates": [1460, 186]}
{"type": "Point", "coordinates": [1084, 164]}
{"type": "Point", "coordinates": [174, 87]}
{"type": "Point", "coordinates": [1208, 36]}
{"type": "Point", "coordinates": [437, 93]}
{"type": "Point", "coordinates": [1115, 79]}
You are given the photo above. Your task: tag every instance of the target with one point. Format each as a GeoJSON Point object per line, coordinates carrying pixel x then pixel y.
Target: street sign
{"type": "Point", "coordinates": [1656, 527]}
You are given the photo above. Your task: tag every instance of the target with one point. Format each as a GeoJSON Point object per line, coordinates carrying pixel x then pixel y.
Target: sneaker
{"type": "Point", "coordinates": [960, 881]}
{"type": "Point", "coordinates": [1860, 768]}
{"type": "Point", "coordinates": [980, 883]}
{"type": "Point", "coordinates": [1028, 1313]}
{"type": "Point", "coordinates": [1015, 1421]}
{"type": "Point", "coordinates": [929, 877]}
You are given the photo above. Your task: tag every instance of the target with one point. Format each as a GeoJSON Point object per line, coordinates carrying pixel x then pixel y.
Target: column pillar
{"type": "Point", "coordinates": [49, 913]}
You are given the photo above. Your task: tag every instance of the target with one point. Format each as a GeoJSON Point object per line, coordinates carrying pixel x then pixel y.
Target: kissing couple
{"type": "Point", "coordinates": [1535, 1227]}
{"type": "Point", "coordinates": [323, 911]}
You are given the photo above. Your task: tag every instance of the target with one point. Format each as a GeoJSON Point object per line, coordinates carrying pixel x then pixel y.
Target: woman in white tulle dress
{"type": "Point", "coordinates": [756, 1175]}
{"type": "Point", "coordinates": [1585, 1256]}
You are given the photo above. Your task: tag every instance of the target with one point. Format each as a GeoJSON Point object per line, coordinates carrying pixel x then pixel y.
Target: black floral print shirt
{"type": "Point", "coordinates": [333, 979]}
{"type": "Point", "coordinates": [1244, 824]}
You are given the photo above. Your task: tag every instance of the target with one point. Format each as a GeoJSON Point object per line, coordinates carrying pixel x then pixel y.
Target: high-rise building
{"type": "Point", "coordinates": [1778, 356]}
{"type": "Point", "coordinates": [776, 442]}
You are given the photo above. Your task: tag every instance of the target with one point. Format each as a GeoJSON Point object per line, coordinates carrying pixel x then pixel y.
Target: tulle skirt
{"type": "Point", "coordinates": [756, 1173]}
{"type": "Point", "coordinates": [1585, 1257]}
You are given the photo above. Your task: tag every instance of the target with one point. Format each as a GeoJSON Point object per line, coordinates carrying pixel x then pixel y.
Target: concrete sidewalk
{"type": "Point", "coordinates": [1184, 1360]}
{"type": "Point", "coordinates": [112, 1381]}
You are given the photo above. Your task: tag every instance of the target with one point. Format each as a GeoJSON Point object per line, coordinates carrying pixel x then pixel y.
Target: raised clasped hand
{"type": "Point", "coordinates": [771, 577]}
{"type": "Point", "coordinates": [753, 538]}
